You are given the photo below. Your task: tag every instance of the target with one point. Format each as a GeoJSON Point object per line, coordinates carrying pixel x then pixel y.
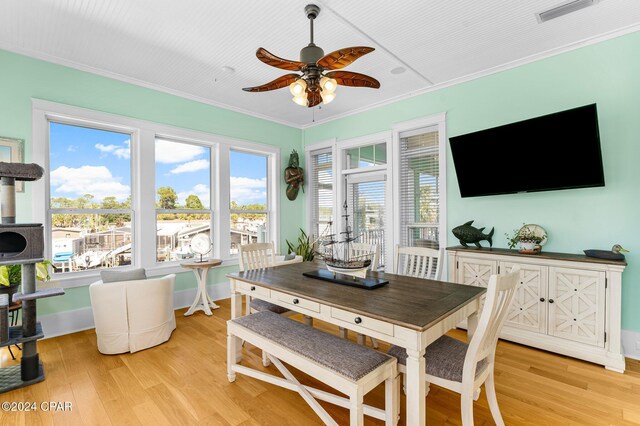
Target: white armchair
{"type": "Point", "coordinates": [133, 315]}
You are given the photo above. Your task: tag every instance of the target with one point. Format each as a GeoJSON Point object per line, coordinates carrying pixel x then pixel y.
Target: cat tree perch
{"type": "Point", "coordinates": [22, 244]}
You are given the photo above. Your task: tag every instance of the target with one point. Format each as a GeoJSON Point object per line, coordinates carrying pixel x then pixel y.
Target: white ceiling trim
{"type": "Point", "coordinates": [126, 79]}
{"type": "Point", "coordinates": [115, 76]}
{"type": "Point", "coordinates": [510, 65]}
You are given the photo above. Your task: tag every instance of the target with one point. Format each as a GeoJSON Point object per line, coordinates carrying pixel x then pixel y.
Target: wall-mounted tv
{"type": "Point", "coordinates": [555, 151]}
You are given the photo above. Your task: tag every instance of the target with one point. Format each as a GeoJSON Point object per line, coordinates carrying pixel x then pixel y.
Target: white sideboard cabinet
{"type": "Point", "coordinates": [565, 303]}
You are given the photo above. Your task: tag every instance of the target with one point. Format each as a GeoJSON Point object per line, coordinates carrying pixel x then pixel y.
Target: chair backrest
{"type": "Point", "coordinates": [363, 250]}
{"type": "Point", "coordinates": [419, 262]}
{"type": "Point", "coordinates": [500, 292]}
{"type": "Point", "coordinates": [256, 256]}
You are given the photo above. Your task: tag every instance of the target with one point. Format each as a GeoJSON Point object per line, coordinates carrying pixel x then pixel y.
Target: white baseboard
{"type": "Point", "coordinates": [68, 322]}
{"type": "Point", "coordinates": [631, 344]}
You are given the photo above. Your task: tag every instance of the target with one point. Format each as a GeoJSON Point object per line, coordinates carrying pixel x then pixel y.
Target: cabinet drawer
{"type": "Point", "coordinates": [252, 289]}
{"type": "Point", "coordinates": [362, 321]}
{"type": "Point", "coordinates": [294, 302]}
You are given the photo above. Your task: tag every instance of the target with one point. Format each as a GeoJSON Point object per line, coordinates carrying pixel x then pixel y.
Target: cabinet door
{"type": "Point", "coordinates": [528, 311]}
{"type": "Point", "coordinates": [476, 272]}
{"type": "Point", "coordinates": [576, 305]}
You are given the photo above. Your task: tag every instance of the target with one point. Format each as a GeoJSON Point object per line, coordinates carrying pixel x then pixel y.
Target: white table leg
{"type": "Point", "coordinates": [207, 300]}
{"type": "Point", "coordinates": [416, 388]}
{"type": "Point", "coordinates": [236, 312]}
{"type": "Point", "coordinates": [202, 298]}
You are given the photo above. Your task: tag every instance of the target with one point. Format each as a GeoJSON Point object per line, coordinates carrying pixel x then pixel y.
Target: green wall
{"type": "Point", "coordinates": [23, 78]}
{"type": "Point", "coordinates": [608, 74]}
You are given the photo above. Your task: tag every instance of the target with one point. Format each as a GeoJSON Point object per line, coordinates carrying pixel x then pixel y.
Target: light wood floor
{"type": "Point", "coordinates": [184, 382]}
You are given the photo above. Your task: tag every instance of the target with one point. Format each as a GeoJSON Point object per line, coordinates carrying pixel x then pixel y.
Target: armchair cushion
{"type": "Point", "coordinates": [133, 315]}
{"type": "Point", "coordinates": [108, 276]}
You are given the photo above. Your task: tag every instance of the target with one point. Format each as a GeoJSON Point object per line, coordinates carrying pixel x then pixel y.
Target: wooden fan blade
{"type": "Point", "coordinates": [348, 78]}
{"type": "Point", "coordinates": [314, 98]}
{"type": "Point", "coordinates": [285, 64]}
{"type": "Point", "coordinates": [278, 83]}
{"type": "Point", "coordinates": [343, 57]}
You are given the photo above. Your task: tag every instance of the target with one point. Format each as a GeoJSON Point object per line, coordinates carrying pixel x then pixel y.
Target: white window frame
{"type": "Point", "coordinates": [439, 120]}
{"type": "Point", "coordinates": [309, 151]}
{"type": "Point", "coordinates": [372, 172]}
{"type": "Point", "coordinates": [143, 135]}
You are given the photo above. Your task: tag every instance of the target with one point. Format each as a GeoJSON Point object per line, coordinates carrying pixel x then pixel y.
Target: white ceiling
{"type": "Point", "coordinates": [182, 46]}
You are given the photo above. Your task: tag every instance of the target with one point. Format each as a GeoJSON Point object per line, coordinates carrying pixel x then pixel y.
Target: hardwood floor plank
{"type": "Point", "coordinates": [184, 381]}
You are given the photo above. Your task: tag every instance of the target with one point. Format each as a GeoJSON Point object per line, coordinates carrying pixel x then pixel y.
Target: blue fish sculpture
{"type": "Point", "coordinates": [468, 234]}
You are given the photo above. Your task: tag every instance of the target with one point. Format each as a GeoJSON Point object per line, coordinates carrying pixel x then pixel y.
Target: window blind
{"type": "Point", "coordinates": [419, 188]}
{"type": "Point", "coordinates": [321, 188]}
{"type": "Point", "coordinates": [366, 206]}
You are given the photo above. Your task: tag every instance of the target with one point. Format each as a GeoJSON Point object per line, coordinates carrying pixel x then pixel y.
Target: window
{"type": "Point", "coordinates": [367, 156]}
{"type": "Point", "coordinates": [123, 192]}
{"type": "Point", "coordinates": [321, 191]}
{"type": "Point", "coordinates": [419, 191]}
{"type": "Point", "coordinates": [364, 189]}
{"type": "Point", "coordinates": [367, 208]}
{"type": "Point", "coordinates": [90, 212]}
{"type": "Point", "coordinates": [183, 197]}
{"type": "Point", "coordinates": [248, 189]}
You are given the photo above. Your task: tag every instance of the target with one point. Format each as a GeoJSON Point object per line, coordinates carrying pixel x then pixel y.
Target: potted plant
{"type": "Point", "coordinates": [11, 277]}
{"type": "Point", "coordinates": [528, 238]}
{"type": "Point", "coordinates": [305, 247]}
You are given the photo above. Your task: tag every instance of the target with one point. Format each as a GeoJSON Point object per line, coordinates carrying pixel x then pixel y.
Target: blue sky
{"type": "Point", "coordinates": [97, 162]}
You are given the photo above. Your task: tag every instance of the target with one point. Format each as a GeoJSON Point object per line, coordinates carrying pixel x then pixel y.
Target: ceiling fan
{"type": "Point", "coordinates": [318, 81]}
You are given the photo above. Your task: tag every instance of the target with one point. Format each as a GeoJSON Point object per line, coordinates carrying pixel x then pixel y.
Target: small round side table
{"type": "Point", "coordinates": [203, 301]}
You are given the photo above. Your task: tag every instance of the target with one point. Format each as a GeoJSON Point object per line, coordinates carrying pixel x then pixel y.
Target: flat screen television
{"type": "Point", "coordinates": [555, 151]}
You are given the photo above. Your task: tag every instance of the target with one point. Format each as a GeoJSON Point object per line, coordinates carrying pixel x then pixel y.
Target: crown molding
{"type": "Point", "coordinates": [510, 65]}
{"type": "Point", "coordinates": [126, 79]}
{"type": "Point", "coordinates": [504, 67]}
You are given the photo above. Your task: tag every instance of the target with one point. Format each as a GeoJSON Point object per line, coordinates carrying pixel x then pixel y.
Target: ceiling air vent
{"type": "Point", "coordinates": [564, 9]}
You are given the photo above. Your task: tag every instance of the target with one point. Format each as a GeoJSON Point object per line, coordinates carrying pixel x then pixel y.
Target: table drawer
{"type": "Point", "coordinates": [294, 302]}
{"type": "Point", "coordinates": [252, 289]}
{"type": "Point", "coordinates": [363, 321]}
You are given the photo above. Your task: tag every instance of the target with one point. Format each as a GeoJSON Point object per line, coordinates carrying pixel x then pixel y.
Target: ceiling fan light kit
{"type": "Point", "coordinates": [319, 80]}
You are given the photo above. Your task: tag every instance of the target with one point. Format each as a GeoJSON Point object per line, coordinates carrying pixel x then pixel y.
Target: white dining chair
{"type": "Point", "coordinates": [419, 262]}
{"type": "Point", "coordinates": [256, 256]}
{"type": "Point", "coordinates": [463, 368]}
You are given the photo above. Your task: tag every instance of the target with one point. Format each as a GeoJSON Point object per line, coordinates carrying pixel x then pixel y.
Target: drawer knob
{"type": "Point", "coordinates": [550, 300]}
{"type": "Point", "coordinates": [542, 299]}
{"type": "Point", "coordinates": [357, 320]}
{"type": "Point", "coordinates": [253, 288]}
{"type": "Point", "coordinates": [296, 301]}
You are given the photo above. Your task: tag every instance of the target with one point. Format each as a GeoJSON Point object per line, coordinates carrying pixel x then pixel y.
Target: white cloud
{"type": "Point", "coordinates": [202, 191]}
{"type": "Point", "coordinates": [247, 191]}
{"type": "Point", "coordinates": [95, 180]}
{"type": "Point", "coordinates": [168, 152]}
{"type": "Point", "coordinates": [72, 148]}
{"type": "Point", "coordinates": [191, 166]}
{"type": "Point", "coordinates": [122, 151]}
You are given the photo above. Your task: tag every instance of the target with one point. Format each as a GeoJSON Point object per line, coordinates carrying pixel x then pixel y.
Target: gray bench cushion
{"type": "Point", "coordinates": [444, 358]}
{"type": "Point", "coordinates": [339, 355]}
{"type": "Point", "coordinates": [262, 305]}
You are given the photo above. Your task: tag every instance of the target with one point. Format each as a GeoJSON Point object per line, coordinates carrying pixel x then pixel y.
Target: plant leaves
{"type": "Point", "coordinates": [4, 276]}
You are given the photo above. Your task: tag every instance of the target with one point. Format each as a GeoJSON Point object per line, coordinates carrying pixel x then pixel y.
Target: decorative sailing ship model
{"type": "Point", "coordinates": [339, 255]}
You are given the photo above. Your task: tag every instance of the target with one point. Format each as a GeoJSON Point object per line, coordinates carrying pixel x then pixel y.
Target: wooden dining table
{"type": "Point", "coordinates": [407, 312]}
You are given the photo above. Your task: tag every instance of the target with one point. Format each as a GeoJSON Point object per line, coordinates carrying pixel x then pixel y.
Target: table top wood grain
{"type": "Point", "coordinates": [413, 303]}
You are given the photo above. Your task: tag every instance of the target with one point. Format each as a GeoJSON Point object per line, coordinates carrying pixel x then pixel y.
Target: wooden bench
{"type": "Point", "coordinates": [341, 364]}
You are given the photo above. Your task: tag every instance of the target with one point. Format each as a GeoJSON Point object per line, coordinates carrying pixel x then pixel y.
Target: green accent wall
{"type": "Point", "coordinates": [606, 73]}
{"type": "Point", "coordinates": [23, 78]}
